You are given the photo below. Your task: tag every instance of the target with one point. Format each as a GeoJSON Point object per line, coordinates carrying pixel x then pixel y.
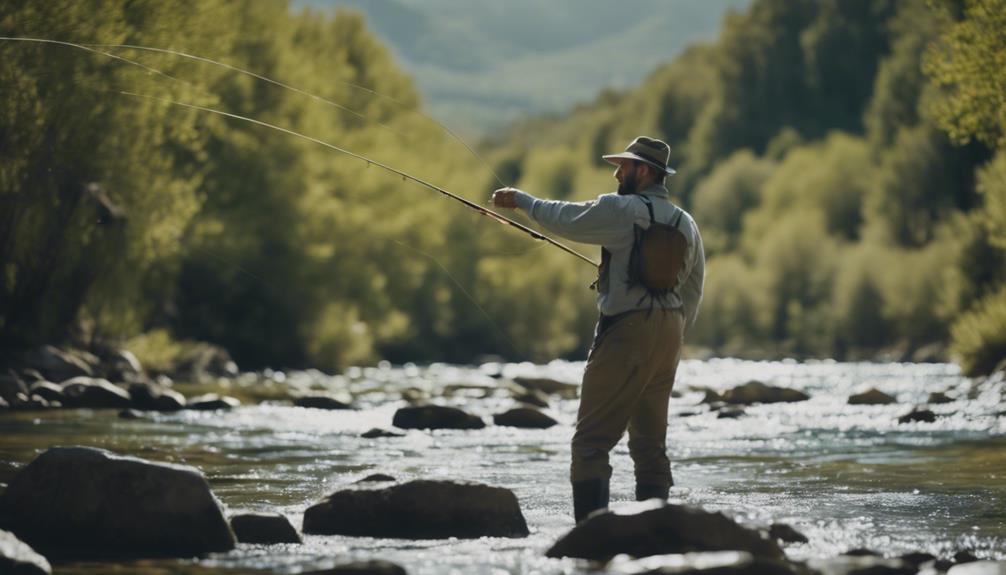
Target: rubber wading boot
{"type": "Point", "coordinates": [589, 495]}
{"type": "Point", "coordinates": [646, 491]}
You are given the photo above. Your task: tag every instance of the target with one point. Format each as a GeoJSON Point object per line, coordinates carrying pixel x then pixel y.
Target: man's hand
{"type": "Point", "coordinates": [504, 198]}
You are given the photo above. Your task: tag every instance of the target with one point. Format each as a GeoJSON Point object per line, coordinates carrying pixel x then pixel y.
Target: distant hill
{"type": "Point", "coordinates": [480, 65]}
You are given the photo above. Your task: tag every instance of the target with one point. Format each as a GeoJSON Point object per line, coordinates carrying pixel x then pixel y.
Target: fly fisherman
{"type": "Point", "coordinates": [637, 343]}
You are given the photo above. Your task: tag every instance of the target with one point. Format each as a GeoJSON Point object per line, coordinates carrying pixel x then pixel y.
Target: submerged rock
{"type": "Point", "coordinates": [549, 386]}
{"type": "Point", "coordinates": [435, 417]}
{"type": "Point", "coordinates": [862, 552]}
{"type": "Point", "coordinates": [964, 556]}
{"type": "Point", "coordinates": [923, 415]}
{"type": "Point", "coordinates": [707, 563]}
{"type": "Point", "coordinates": [321, 402]}
{"type": "Point", "coordinates": [711, 397]}
{"type": "Point", "coordinates": [917, 558]}
{"type": "Point", "coordinates": [524, 417]}
{"type": "Point", "coordinates": [81, 501]}
{"type": "Point", "coordinates": [861, 565]}
{"type": "Point", "coordinates": [660, 530]}
{"type": "Point", "coordinates": [532, 397]}
{"type": "Point", "coordinates": [758, 392]}
{"type": "Point", "coordinates": [938, 397]}
{"type": "Point", "coordinates": [376, 477]}
{"type": "Point", "coordinates": [871, 397]}
{"type": "Point", "coordinates": [18, 558]}
{"type": "Point", "coordinates": [264, 528]}
{"type": "Point", "coordinates": [372, 567]}
{"type": "Point", "coordinates": [421, 509]}
{"type": "Point", "coordinates": [730, 413]}
{"type": "Point", "coordinates": [786, 533]}
{"type": "Point", "coordinates": [376, 432]}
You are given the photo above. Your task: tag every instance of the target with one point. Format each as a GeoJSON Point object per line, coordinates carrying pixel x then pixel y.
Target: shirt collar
{"type": "Point", "coordinates": [657, 190]}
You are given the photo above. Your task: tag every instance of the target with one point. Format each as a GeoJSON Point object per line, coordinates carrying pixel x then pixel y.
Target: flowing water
{"type": "Point", "coordinates": [846, 476]}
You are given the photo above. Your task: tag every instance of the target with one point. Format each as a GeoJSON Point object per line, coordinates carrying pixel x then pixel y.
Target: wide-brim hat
{"type": "Point", "coordinates": [649, 150]}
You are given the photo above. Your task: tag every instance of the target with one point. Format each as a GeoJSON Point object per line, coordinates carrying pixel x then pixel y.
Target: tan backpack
{"type": "Point", "coordinates": [658, 256]}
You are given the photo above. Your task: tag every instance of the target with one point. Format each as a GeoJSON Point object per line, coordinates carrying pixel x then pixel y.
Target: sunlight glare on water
{"type": "Point", "coordinates": [847, 476]}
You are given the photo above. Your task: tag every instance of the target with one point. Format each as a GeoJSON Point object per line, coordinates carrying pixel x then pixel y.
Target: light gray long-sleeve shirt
{"type": "Point", "coordinates": [608, 221]}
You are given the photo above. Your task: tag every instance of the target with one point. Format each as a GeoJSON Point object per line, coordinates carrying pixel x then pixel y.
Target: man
{"type": "Point", "coordinates": [632, 362]}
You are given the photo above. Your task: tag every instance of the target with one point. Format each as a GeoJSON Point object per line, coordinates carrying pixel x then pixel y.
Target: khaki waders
{"type": "Point", "coordinates": [626, 386]}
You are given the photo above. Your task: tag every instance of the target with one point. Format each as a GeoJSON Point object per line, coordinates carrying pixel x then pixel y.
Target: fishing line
{"type": "Point", "coordinates": [405, 176]}
{"type": "Point", "coordinates": [94, 49]}
{"type": "Point", "coordinates": [470, 297]}
{"type": "Point", "coordinates": [370, 91]}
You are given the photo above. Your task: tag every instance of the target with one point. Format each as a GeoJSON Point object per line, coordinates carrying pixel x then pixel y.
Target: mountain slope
{"type": "Point", "coordinates": [481, 65]}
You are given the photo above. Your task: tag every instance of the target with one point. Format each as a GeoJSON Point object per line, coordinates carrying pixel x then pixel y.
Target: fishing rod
{"type": "Point", "coordinates": [478, 208]}
{"type": "Point", "coordinates": [404, 175]}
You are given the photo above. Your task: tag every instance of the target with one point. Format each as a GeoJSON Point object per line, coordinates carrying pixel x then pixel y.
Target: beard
{"type": "Point", "coordinates": [628, 185]}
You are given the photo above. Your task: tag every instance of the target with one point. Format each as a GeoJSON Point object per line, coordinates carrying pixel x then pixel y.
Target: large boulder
{"type": "Point", "coordinates": [524, 417]}
{"type": "Point", "coordinates": [435, 417]}
{"type": "Point", "coordinates": [758, 392]}
{"type": "Point", "coordinates": [10, 386]}
{"type": "Point", "coordinates": [57, 365]}
{"type": "Point", "coordinates": [153, 397]}
{"type": "Point", "coordinates": [18, 558]}
{"type": "Point", "coordinates": [212, 402]}
{"type": "Point", "coordinates": [47, 391]}
{"type": "Point", "coordinates": [123, 365]}
{"type": "Point", "coordinates": [203, 362]}
{"type": "Point", "coordinates": [81, 501]}
{"type": "Point", "coordinates": [94, 393]}
{"type": "Point", "coordinates": [420, 509]}
{"type": "Point", "coordinates": [660, 530]}
{"type": "Point", "coordinates": [264, 528]}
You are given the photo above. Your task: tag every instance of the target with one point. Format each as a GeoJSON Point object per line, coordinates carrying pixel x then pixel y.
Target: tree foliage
{"type": "Point", "coordinates": [842, 157]}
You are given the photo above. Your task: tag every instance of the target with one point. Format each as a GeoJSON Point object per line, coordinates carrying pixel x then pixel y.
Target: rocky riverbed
{"type": "Point", "coordinates": [901, 460]}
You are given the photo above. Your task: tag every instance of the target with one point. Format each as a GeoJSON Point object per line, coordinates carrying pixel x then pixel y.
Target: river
{"type": "Point", "coordinates": [846, 476]}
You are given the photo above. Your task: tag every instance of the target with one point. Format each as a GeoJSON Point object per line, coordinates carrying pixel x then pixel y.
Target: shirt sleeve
{"type": "Point", "coordinates": [691, 290]}
{"type": "Point", "coordinates": [600, 222]}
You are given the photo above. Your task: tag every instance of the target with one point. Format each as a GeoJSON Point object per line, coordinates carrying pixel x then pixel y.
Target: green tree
{"type": "Point", "coordinates": [721, 200]}
{"type": "Point", "coordinates": [969, 63]}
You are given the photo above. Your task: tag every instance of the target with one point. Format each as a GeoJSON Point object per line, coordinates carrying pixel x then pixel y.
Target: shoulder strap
{"type": "Point", "coordinates": [649, 207]}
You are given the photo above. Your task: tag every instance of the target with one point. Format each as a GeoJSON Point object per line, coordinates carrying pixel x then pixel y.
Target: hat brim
{"type": "Point", "coordinates": [617, 158]}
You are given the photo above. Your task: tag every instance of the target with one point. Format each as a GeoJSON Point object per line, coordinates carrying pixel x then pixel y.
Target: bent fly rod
{"type": "Point", "coordinates": [405, 176]}
{"type": "Point", "coordinates": [96, 48]}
